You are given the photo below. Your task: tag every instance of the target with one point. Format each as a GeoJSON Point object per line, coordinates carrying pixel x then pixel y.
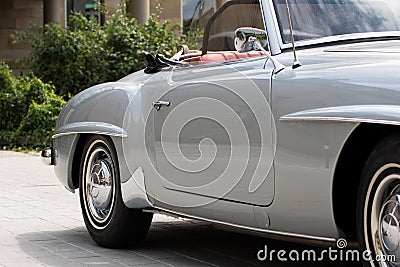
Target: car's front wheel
{"type": "Point", "coordinates": [379, 205]}
{"type": "Point", "coordinates": [109, 222]}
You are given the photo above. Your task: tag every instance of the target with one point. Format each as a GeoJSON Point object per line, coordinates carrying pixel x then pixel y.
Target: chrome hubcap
{"type": "Point", "coordinates": [100, 186]}
{"type": "Point", "coordinates": [385, 221]}
{"type": "Point", "coordinates": [389, 218]}
{"type": "Point", "coordinates": [100, 189]}
{"type": "Point", "coordinates": [389, 224]}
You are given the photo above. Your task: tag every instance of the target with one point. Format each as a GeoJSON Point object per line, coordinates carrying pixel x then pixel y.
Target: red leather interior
{"type": "Point", "coordinates": [223, 56]}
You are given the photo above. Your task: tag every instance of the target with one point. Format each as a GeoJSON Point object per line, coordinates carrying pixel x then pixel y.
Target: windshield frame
{"type": "Point", "coordinates": [322, 40]}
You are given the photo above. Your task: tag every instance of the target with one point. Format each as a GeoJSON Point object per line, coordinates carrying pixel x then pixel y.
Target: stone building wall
{"type": "Point", "coordinates": [16, 15]}
{"type": "Point", "coordinates": [170, 9]}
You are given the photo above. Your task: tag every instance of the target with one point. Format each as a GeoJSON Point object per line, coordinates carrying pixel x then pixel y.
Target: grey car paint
{"type": "Point", "coordinates": [213, 81]}
{"type": "Point", "coordinates": [316, 108]}
{"type": "Point", "coordinates": [334, 85]}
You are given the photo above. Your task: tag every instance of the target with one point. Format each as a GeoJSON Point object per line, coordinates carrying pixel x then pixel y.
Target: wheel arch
{"type": "Point", "coordinates": [347, 176]}
{"type": "Point", "coordinates": [77, 154]}
{"type": "Point", "coordinates": [76, 159]}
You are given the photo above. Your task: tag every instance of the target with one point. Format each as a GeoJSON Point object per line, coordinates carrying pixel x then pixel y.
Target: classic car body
{"type": "Point", "coordinates": [310, 130]}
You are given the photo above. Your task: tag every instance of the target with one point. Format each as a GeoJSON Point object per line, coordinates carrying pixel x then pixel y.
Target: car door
{"type": "Point", "coordinates": [213, 133]}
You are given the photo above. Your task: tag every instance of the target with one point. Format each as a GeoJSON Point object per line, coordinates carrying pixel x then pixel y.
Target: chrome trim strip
{"type": "Point", "coordinates": [378, 114]}
{"type": "Point", "coordinates": [277, 29]}
{"type": "Point", "coordinates": [338, 38]}
{"type": "Point", "coordinates": [338, 119]}
{"type": "Point", "coordinates": [274, 232]}
{"type": "Point", "coordinates": [90, 127]}
{"type": "Point", "coordinates": [271, 26]}
{"type": "Point", "coordinates": [90, 132]}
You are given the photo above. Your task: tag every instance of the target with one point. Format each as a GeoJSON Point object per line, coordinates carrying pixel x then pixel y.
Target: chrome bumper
{"type": "Point", "coordinates": [48, 156]}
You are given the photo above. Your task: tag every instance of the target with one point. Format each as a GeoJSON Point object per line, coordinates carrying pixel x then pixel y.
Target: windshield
{"type": "Point", "coordinates": [313, 19]}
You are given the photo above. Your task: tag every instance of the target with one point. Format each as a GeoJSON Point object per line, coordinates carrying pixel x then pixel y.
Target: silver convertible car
{"type": "Point", "coordinates": [285, 120]}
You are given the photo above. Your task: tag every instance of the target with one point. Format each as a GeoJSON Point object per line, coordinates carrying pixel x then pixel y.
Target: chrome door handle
{"type": "Point", "coordinates": [157, 105]}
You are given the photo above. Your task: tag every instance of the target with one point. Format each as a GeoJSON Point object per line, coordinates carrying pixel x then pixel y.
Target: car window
{"type": "Point", "coordinates": [214, 22]}
{"type": "Point", "coordinates": [221, 36]}
{"type": "Point", "coordinates": [322, 18]}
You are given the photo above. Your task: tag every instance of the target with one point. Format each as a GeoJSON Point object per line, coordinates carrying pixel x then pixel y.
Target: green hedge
{"type": "Point", "coordinates": [28, 110]}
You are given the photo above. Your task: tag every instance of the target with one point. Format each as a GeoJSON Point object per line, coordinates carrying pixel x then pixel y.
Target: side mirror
{"type": "Point", "coordinates": [250, 39]}
{"type": "Point", "coordinates": [246, 39]}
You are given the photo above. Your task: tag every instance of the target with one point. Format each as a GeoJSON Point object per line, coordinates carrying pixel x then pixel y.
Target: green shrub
{"type": "Point", "coordinates": [70, 59]}
{"type": "Point", "coordinates": [6, 78]}
{"type": "Point", "coordinates": [88, 53]}
{"type": "Point", "coordinates": [128, 43]}
{"type": "Point", "coordinates": [11, 108]}
{"type": "Point", "coordinates": [40, 120]}
{"type": "Point", "coordinates": [28, 109]}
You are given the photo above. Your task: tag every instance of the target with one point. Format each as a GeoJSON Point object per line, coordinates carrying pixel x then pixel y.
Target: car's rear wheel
{"type": "Point", "coordinates": [109, 222]}
{"type": "Point", "coordinates": [379, 205]}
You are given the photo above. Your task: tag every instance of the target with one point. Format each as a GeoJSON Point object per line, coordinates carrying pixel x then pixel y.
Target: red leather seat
{"type": "Point", "coordinates": [228, 55]}
{"type": "Point", "coordinates": [223, 56]}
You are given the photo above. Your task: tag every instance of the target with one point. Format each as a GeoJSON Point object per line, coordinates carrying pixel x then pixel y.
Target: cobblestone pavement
{"type": "Point", "coordinates": [41, 225]}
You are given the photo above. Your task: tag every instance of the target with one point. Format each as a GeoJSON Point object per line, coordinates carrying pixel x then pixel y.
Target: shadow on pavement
{"type": "Point", "coordinates": [182, 243]}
